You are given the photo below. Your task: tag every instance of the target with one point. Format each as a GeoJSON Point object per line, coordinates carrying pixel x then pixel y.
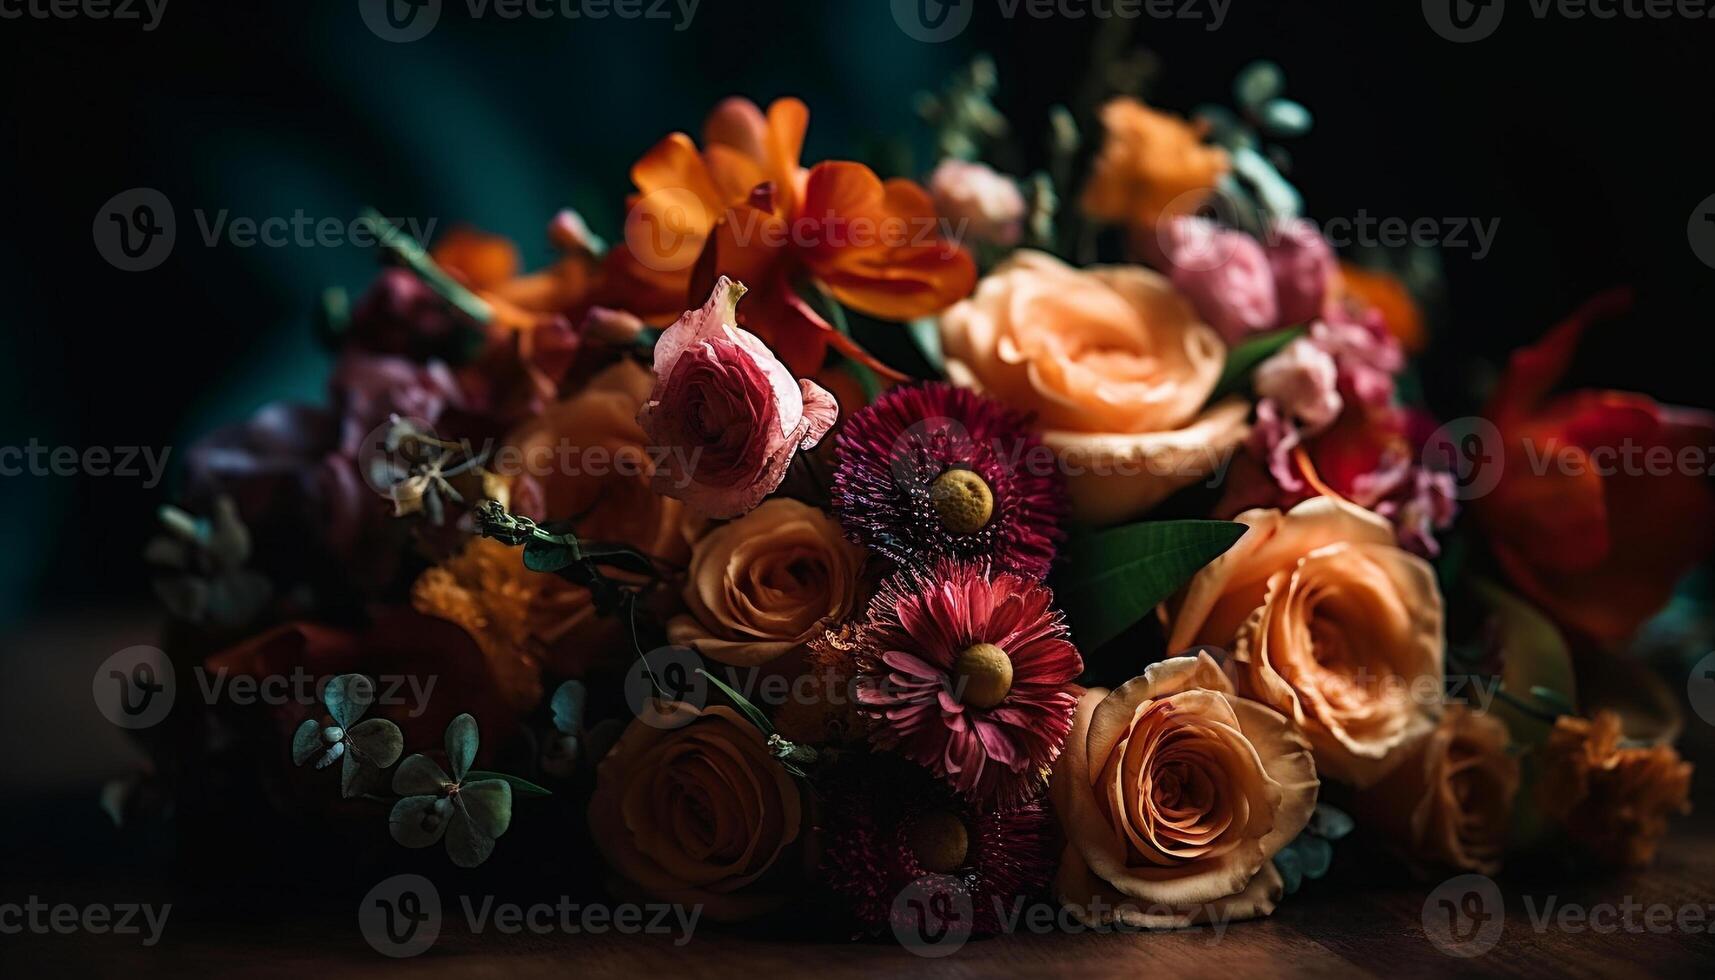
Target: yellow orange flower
{"type": "Point", "coordinates": [696, 814]}
{"type": "Point", "coordinates": [745, 208]}
{"type": "Point", "coordinates": [1150, 162]}
{"type": "Point", "coordinates": [1175, 795]}
{"type": "Point", "coordinates": [1450, 800]}
{"type": "Point", "coordinates": [767, 583]}
{"type": "Point", "coordinates": [1116, 368]}
{"type": "Point", "coordinates": [1613, 802]}
{"type": "Point", "coordinates": [1330, 623]}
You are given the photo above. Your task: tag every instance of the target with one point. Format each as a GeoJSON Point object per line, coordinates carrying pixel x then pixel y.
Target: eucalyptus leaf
{"type": "Point", "coordinates": [548, 556]}
{"type": "Point", "coordinates": [1291, 868]}
{"type": "Point", "coordinates": [518, 784]}
{"type": "Point", "coordinates": [1537, 659]}
{"type": "Point", "coordinates": [306, 741]}
{"type": "Point", "coordinates": [1116, 577]}
{"type": "Point", "coordinates": [462, 741]}
{"type": "Point", "coordinates": [1243, 359]}
{"type": "Point", "coordinates": [1284, 117]}
{"type": "Point", "coordinates": [489, 803]}
{"type": "Point", "coordinates": [419, 821]}
{"type": "Point", "coordinates": [1257, 83]}
{"type": "Point", "coordinates": [378, 740]}
{"type": "Point", "coordinates": [348, 696]}
{"type": "Point", "coordinates": [467, 845]}
{"type": "Point", "coordinates": [1330, 822]}
{"type": "Point", "coordinates": [567, 707]}
{"type": "Point", "coordinates": [358, 776]}
{"type": "Point", "coordinates": [1315, 853]}
{"type": "Point", "coordinates": [419, 776]}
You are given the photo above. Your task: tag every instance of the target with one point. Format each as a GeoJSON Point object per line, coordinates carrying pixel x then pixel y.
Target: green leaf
{"type": "Point", "coordinates": [418, 821]}
{"type": "Point", "coordinates": [1329, 821]}
{"type": "Point", "coordinates": [518, 785]}
{"type": "Point", "coordinates": [1114, 578]}
{"type": "Point", "coordinates": [306, 741]}
{"type": "Point", "coordinates": [348, 696]}
{"type": "Point", "coordinates": [1537, 660]}
{"type": "Point", "coordinates": [419, 776]}
{"type": "Point", "coordinates": [743, 704]}
{"type": "Point", "coordinates": [1315, 853]}
{"type": "Point", "coordinates": [467, 845]}
{"type": "Point", "coordinates": [549, 556]}
{"type": "Point", "coordinates": [1258, 82]}
{"type": "Point", "coordinates": [567, 707]}
{"type": "Point", "coordinates": [462, 740]}
{"type": "Point", "coordinates": [926, 332]}
{"type": "Point", "coordinates": [1244, 358]}
{"type": "Point", "coordinates": [1284, 117]}
{"type": "Point", "coordinates": [378, 740]}
{"type": "Point", "coordinates": [489, 802]}
{"type": "Point", "coordinates": [413, 256]}
{"type": "Point", "coordinates": [1291, 868]}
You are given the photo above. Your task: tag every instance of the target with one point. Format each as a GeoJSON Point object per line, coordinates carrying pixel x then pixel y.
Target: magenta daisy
{"type": "Point", "coordinates": [887, 830]}
{"type": "Point", "coordinates": [965, 670]}
{"type": "Point", "coordinates": [932, 470]}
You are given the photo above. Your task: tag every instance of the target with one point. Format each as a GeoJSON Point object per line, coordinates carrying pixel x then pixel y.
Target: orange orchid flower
{"type": "Point", "coordinates": [743, 207]}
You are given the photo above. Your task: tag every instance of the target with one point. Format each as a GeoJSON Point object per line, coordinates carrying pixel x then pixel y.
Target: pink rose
{"type": "Point", "coordinates": [1304, 381]}
{"type": "Point", "coordinates": [726, 412]}
{"type": "Point", "coordinates": [987, 205]}
{"type": "Point", "coordinates": [1303, 266]}
{"type": "Point", "coordinates": [1224, 273]}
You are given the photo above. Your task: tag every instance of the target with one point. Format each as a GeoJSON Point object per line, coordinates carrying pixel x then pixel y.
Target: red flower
{"type": "Point", "coordinates": [1596, 514]}
{"type": "Point", "coordinates": [965, 670]}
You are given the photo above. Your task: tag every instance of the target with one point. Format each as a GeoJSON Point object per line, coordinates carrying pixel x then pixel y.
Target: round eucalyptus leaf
{"type": "Point", "coordinates": [1291, 868]}
{"type": "Point", "coordinates": [419, 776]}
{"type": "Point", "coordinates": [1330, 822]}
{"type": "Point", "coordinates": [568, 707]}
{"type": "Point", "coordinates": [358, 777]}
{"type": "Point", "coordinates": [418, 821]}
{"type": "Point", "coordinates": [1258, 82]}
{"type": "Point", "coordinates": [348, 696]}
{"type": "Point", "coordinates": [306, 741]}
{"type": "Point", "coordinates": [378, 740]}
{"type": "Point", "coordinates": [489, 802]}
{"type": "Point", "coordinates": [1316, 854]}
{"type": "Point", "coordinates": [467, 845]}
{"type": "Point", "coordinates": [1284, 117]}
{"type": "Point", "coordinates": [462, 740]}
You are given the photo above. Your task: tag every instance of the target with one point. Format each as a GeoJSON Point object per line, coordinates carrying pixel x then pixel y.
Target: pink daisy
{"type": "Point", "coordinates": [932, 470]}
{"type": "Point", "coordinates": [965, 670]}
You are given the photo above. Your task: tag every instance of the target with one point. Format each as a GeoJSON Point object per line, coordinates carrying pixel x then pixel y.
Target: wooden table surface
{"type": "Point", "coordinates": [1365, 919]}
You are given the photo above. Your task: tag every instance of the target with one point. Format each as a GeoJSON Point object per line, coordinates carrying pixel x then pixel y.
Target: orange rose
{"type": "Point", "coordinates": [1450, 800]}
{"type": "Point", "coordinates": [1613, 802]}
{"type": "Point", "coordinates": [1116, 367]}
{"type": "Point", "coordinates": [1175, 796]}
{"type": "Point", "coordinates": [696, 814]}
{"type": "Point", "coordinates": [1330, 623]}
{"type": "Point", "coordinates": [1147, 160]}
{"type": "Point", "coordinates": [767, 583]}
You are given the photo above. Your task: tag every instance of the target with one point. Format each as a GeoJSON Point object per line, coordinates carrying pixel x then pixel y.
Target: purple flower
{"type": "Point", "coordinates": [1303, 265]}
{"type": "Point", "coordinates": [1225, 274]}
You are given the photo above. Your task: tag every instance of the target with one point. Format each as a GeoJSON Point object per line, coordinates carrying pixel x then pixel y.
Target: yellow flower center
{"type": "Point", "coordinates": [962, 500]}
{"type": "Point", "coordinates": [939, 840]}
{"type": "Point", "coordinates": [985, 675]}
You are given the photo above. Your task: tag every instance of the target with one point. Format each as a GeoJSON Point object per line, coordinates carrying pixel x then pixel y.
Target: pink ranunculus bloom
{"type": "Point", "coordinates": [1303, 265]}
{"type": "Point", "coordinates": [1225, 274]}
{"type": "Point", "coordinates": [987, 204]}
{"type": "Point", "coordinates": [1305, 381]}
{"type": "Point", "coordinates": [1368, 357]}
{"type": "Point", "coordinates": [725, 415]}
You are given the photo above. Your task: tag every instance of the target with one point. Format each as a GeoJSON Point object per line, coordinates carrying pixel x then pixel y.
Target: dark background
{"type": "Point", "coordinates": [1584, 137]}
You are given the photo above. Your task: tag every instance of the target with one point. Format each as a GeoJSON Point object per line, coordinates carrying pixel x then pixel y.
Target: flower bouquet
{"type": "Point", "coordinates": [861, 551]}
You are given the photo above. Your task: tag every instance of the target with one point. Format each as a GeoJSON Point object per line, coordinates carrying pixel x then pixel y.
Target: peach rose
{"type": "Point", "coordinates": [1175, 796]}
{"type": "Point", "coordinates": [1330, 623]}
{"type": "Point", "coordinates": [1115, 366]}
{"type": "Point", "coordinates": [1148, 161]}
{"type": "Point", "coordinates": [767, 583]}
{"type": "Point", "coordinates": [1450, 800]}
{"type": "Point", "coordinates": [1613, 802]}
{"type": "Point", "coordinates": [696, 814]}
